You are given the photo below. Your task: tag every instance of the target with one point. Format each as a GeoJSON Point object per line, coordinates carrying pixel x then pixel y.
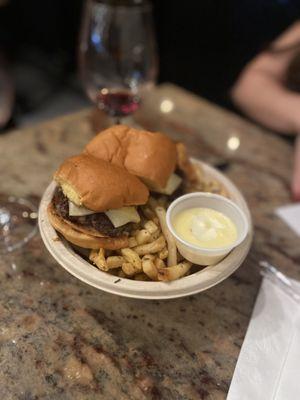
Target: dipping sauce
{"type": "Point", "coordinates": [205, 227]}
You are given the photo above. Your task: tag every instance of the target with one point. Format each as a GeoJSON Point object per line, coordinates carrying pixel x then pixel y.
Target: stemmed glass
{"type": "Point", "coordinates": [117, 54]}
{"type": "Point", "coordinates": [18, 218]}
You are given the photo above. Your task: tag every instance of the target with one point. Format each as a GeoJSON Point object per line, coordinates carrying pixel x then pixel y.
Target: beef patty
{"type": "Point", "coordinates": [98, 221]}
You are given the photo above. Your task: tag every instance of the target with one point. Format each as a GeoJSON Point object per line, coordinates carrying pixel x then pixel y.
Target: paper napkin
{"type": "Point", "coordinates": [291, 215]}
{"type": "Point", "coordinates": [268, 367]}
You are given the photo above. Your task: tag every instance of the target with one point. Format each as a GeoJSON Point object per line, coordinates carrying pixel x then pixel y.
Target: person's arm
{"type": "Point", "coordinates": [260, 90]}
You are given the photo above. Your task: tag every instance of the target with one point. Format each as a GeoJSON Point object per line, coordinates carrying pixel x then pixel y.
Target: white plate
{"type": "Point", "coordinates": [197, 282]}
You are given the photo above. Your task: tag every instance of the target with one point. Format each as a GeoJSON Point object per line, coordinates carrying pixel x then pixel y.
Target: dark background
{"type": "Point", "coordinates": [203, 44]}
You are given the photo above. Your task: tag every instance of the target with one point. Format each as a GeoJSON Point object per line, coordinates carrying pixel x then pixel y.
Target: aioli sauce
{"type": "Point", "coordinates": [205, 227]}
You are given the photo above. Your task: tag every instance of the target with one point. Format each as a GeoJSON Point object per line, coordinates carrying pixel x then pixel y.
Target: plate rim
{"type": "Point", "coordinates": [63, 253]}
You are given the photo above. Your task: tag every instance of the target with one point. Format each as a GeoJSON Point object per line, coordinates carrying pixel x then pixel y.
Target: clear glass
{"type": "Point", "coordinates": [118, 58]}
{"type": "Point", "coordinates": [17, 223]}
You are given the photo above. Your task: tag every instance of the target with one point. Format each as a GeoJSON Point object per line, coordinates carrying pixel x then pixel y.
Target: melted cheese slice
{"type": "Point", "coordinates": [173, 183]}
{"type": "Point", "coordinates": [75, 211]}
{"type": "Point", "coordinates": [122, 216]}
{"type": "Point", "coordinates": [118, 216]}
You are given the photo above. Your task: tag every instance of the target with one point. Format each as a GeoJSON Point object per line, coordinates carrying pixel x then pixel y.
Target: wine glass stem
{"type": "Point", "coordinates": [5, 219]}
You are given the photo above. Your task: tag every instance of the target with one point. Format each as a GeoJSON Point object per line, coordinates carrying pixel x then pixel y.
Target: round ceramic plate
{"type": "Point", "coordinates": [201, 280]}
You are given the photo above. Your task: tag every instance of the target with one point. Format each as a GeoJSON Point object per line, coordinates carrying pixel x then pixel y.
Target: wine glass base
{"type": "Point", "coordinates": [18, 223]}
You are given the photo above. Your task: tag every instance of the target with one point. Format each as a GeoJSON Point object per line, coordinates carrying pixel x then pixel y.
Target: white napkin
{"type": "Point", "coordinates": [290, 215]}
{"type": "Point", "coordinates": [268, 367]}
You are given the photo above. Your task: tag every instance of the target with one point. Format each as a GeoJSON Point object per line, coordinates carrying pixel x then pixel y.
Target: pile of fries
{"type": "Point", "coordinates": [152, 253]}
{"type": "Point", "coordinates": [205, 184]}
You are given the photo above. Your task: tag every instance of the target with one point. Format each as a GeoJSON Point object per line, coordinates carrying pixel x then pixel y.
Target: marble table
{"type": "Point", "coordinates": [61, 339]}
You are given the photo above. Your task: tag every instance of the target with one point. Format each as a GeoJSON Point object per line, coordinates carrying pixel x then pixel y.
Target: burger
{"type": "Point", "coordinates": [158, 161]}
{"type": "Point", "coordinates": [95, 203]}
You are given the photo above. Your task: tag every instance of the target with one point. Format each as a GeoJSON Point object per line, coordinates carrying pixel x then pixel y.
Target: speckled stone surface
{"type": "Point", "coordinates": [61, 339]}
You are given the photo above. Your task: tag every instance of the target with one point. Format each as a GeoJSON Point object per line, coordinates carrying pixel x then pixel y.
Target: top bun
{"type": "Point", "coordinates": [98, 185]}
{"type": "Point", "coordinates": [149, 155]}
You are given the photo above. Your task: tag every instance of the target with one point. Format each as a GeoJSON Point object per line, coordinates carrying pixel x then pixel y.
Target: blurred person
{"type": "Point", "coordinates": [268, 91]}
{"type": "Point", "coordinates": [203, 45]}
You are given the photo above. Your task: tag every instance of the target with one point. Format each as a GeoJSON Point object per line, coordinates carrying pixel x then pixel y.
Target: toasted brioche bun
{"type": "Point", "coordinates": [82, 239]}
{"type": "Point", "coordinates": [151, 156]}
{"type": "Point", "coordinates": [99, 185]}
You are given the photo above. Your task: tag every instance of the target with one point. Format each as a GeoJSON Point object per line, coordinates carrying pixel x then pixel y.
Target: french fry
{"type": "Point", "coordinates": [174, 272]}
{"type": "Point", "coordinates": [148, 257]}
{"type": "Point", "coordinates": [150, 248]}
{"type": "Point", "coordinates": [93, 254]}
{"type": "Point", "coordinates": [156, 220]}
{"type": "Point", "coordinates": [114, 262]}
{"type": "Point", "coordinates": [143, 236]}
{"type": "Point", "coordinates": [163, 253]}
{"type": "Point", "coordinates": [151, 227]}
{"type": "Point", "coordinates": [98, 258]}
{"type": "Point", "coordinates": [149, 268]}
{"type": "Point", "coordinates": [128, 269]}
{"type": "Point", "coordinates": [172, 249]}
{"type": "Point", "coordinates": [159, 263]}
{"type": "Point", "coordinates": [156, 234]}
{"type": "Point", "coordinates": [214, 186]}
{"type": "Point", "coordinates": [132, 242]}
{"type": "Point", "coordinates": [133, 258]}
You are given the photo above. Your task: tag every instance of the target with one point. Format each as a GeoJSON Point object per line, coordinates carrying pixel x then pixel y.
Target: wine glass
{"type": "Point", "coordinates": [117, 54]}
{"type": "Point", "coordinates": [18, 218]}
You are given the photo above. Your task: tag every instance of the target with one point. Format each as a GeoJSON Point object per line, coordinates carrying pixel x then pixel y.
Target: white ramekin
{"type": "Point", "coordinates": [200, 255]}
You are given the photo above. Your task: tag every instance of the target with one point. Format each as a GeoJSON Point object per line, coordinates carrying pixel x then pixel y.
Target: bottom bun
{"type": "Point", "coordinates": [83, 239]}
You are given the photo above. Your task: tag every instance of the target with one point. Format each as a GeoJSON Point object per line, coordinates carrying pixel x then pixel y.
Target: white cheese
{"type": "Point", "coordinates": [173, 183]}
{"type": "Point", "coordinates": [118, 216]}
{"type": "Point", "coordinates": [121, 216]}
{"type": "Point", "coordinates": [75, 211]}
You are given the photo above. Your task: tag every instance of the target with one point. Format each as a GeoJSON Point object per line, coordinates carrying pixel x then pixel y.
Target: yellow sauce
{"type": "Point", "coordinates": [205, 227]}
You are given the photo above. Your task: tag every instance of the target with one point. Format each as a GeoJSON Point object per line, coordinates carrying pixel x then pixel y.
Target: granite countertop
{"type": "Point", "coordinates": [61, 339]}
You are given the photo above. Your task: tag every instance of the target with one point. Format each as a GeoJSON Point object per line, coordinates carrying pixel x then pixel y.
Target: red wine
{"type": "Point", "coordinates": [118, 104]}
